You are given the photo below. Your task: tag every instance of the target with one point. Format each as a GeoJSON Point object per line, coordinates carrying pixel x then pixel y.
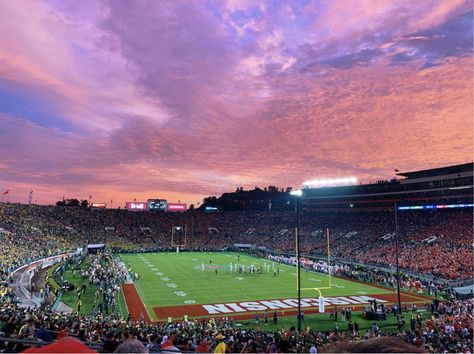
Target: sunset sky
{"type": "Point", "coordinates": [185, 99]}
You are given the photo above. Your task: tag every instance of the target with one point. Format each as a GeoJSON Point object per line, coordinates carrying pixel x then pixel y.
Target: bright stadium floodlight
{"type": "Point", "coordinates": [330, 182]}
{"type": "Point", "coordinates": [297, 193]}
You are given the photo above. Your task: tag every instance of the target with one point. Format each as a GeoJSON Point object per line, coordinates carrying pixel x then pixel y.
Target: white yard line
{"type": "Point", "coordinates": [141, 299]}
{"type": "Point", "coordinates": [124, 300]}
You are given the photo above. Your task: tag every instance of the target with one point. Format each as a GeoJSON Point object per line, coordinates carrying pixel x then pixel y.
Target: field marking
{"type": "Point", "coordinates": [239, 278]}
{"type": "Point", "coordinates": [159, 274]}
{"type": "Point", "coordinates": [154, 269]}
{"type": "Point", "coordinates": [171, 285]}
{"type": "Point", "coordinates": [314, 279]}
{"type": "Point", "coordinates": [317, 289]}
{"type": "Point", "coordinates": [197, 310]}
{"type": "Point", "coordinates": [189, 302]}
{"type": "Point", "coordinates": [339, 286]}
{"type": "Point", "coordinates": [194, 259]}
{"type": "Point", "coordinates": [180, 293]}
{"type": "Point", "coordinates": [124, 300]}
{"type": "Point", "coordinates": [243, 261]}
{"type": "Point", "coordinates": [165, 279]}
{"type": "Point", "coordinates": [137, 290]}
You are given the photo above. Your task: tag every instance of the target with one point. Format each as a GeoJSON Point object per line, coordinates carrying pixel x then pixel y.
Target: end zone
{"type": "Point", "coordinates": [285, 307]}
{"type": "Point", "coordinates": [134, 303]}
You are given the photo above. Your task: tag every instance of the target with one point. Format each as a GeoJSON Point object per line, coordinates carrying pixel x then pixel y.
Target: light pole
{"type": "Point", "coordinates": [397, 256]}
{"type": "Point", "coordinates": [298, 194]}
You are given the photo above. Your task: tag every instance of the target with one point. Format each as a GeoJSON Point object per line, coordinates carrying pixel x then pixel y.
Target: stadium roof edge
{"type": "Point", "coordinates": [461, 168]}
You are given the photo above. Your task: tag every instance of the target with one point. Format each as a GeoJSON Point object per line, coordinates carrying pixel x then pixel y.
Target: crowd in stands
{"type": "Point", "coordinates": [448, 257]}
{"type": "Point", "coordinates": [365, 274]}
{"type": "Point", "coordinates": [448, 327]}
{"type": "Point", "coordinates": [437, 243]}
{"type": "Point", "coordinates": [31, 232]}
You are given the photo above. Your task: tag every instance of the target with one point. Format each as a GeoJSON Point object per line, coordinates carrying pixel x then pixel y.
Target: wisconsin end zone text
{"type": "Point", "coordinates": [285, 304]}
{"type": "Point", "coordinates": [243, 309]}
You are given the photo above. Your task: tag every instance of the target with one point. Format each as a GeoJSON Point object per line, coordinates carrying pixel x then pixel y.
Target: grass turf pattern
{"type": "Point", "coordinates": [173, 279]}
{"type": "Point", "coordinates": [322, 323]}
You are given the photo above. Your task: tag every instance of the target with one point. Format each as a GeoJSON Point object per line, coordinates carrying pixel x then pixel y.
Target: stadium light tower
{"type": "Point", "coordinates": [397, 256]}
{"type": "Point", "coordinates": [298, 194]}
{"type": "Point", "coordinates": [330, 182]}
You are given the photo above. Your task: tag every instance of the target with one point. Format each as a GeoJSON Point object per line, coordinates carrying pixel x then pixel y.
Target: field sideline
{"type": "Point", "coordinates": [174, 284]}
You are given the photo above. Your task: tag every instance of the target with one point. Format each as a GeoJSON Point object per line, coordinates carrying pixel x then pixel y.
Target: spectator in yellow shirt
{"type": "Point", "coordinates": [221, 347]}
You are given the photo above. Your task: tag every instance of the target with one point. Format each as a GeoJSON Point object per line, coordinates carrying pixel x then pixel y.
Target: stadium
{"type": "Point", "coordinates": [236, 176]}
{"type": "Point", "coordinates": [387, 259]}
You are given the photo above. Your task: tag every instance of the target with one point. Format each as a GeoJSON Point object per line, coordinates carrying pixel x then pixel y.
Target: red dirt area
{"type": "Point", "coordinates": [134, 303]}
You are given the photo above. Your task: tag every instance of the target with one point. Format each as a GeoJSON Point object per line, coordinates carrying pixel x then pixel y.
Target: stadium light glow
{"type": "Point", "coordinates": [297, 192]}
{"type": "Point", "coordinates": [330, 182]}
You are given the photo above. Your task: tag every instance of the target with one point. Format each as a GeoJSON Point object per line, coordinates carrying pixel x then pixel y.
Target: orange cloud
{"type": "Point", "coordinates": [181, 101]}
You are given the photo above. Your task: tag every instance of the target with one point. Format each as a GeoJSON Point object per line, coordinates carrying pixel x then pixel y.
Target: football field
{"type": "Point", "coordinates": [201, 284]}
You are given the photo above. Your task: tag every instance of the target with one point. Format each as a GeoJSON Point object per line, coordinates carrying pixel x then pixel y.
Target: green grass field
{"type": "Point", "coordinates": [173, 279]}
{"type": "Point", "coordinates": [322, 322]}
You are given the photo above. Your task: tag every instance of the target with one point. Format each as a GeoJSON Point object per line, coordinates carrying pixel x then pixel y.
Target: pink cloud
{"type": "Point", "coordinates": [171, 100]}
{"type": "Point", "coordinates": [59, 53]}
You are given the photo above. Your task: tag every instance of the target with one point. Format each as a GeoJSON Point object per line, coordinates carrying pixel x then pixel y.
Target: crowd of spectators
{"type": "Point", "coordinates": [100, 271]}
{"type": "Point", "coordinates": [366, 274]}
{"type": "Point", "coordinates": [450, 329]}
{"type": "Point", "coordinates": [447, 327]}
{"type": "Point", "coordinates": [437, 243]}
{"type": "Point", "coordinates": [31, 232]}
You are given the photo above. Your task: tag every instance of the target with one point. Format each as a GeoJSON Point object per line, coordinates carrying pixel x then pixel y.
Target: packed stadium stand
{"type": "Point", "coordinates": [431, 212]}
{"type": "Point", "coordinates": [365, 236]}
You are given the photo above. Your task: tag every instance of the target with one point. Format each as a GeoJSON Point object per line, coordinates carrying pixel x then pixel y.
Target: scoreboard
{"type": "Point", "coordinates": [157, 204]}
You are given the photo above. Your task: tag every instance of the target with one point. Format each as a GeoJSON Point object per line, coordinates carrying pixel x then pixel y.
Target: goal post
{"type": "Point", "coordinates": [329, 276]}
{"type": "Point", "coordinates": [179, 235]}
